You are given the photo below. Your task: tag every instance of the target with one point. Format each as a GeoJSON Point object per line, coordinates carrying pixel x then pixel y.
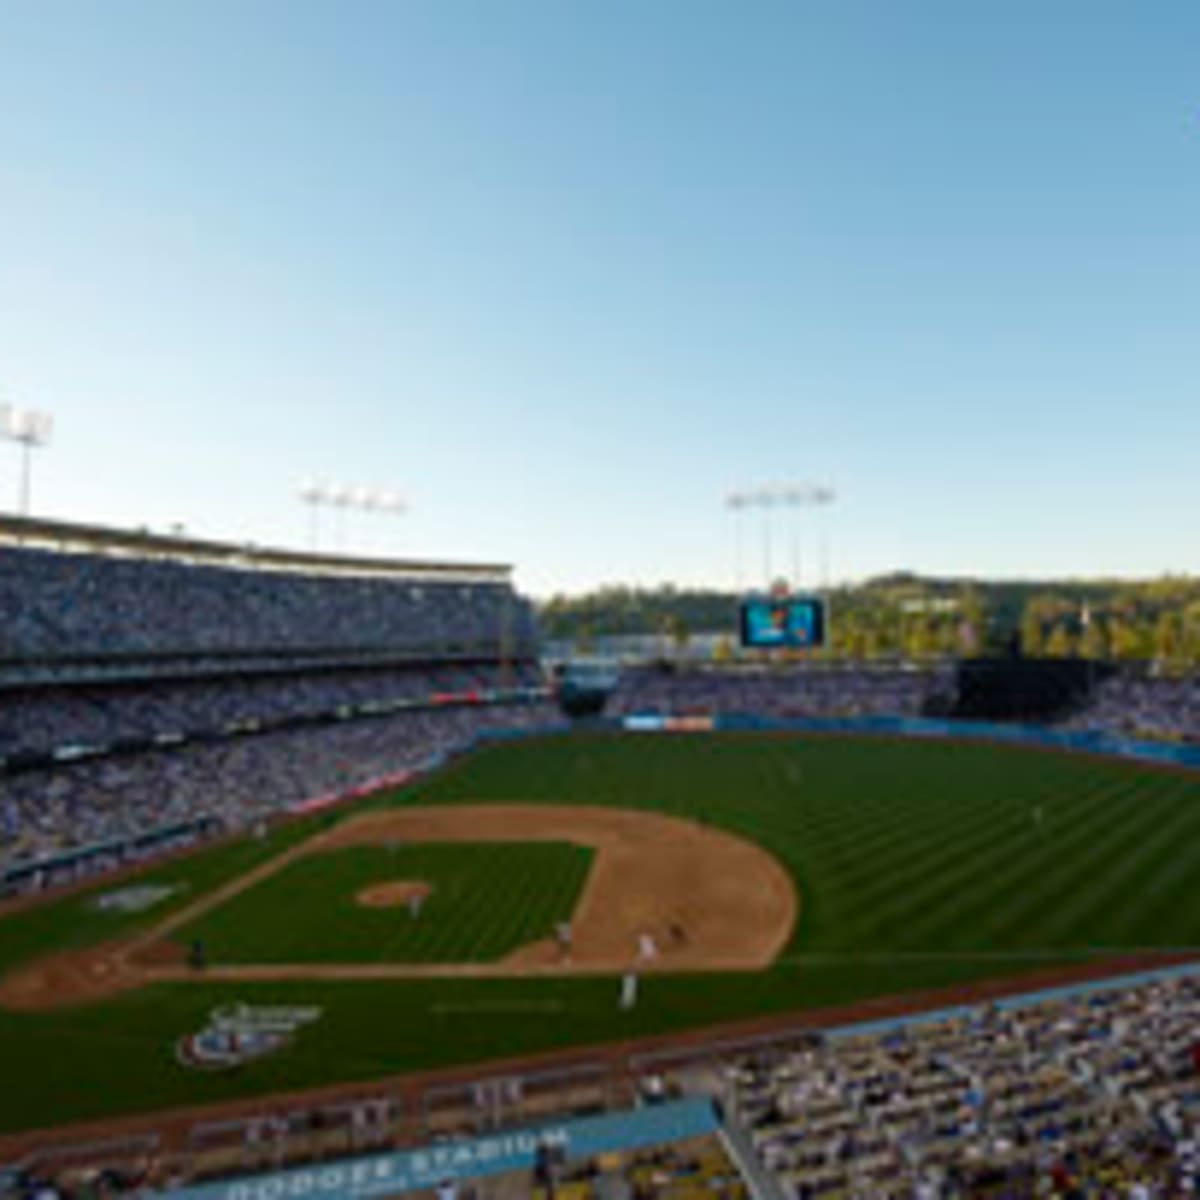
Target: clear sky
{"type": "Point", "coordinates": [565, 272]}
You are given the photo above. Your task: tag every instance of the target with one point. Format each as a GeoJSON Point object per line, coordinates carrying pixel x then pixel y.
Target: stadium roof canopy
{"type": "Point", "coordinates": [70, 537]}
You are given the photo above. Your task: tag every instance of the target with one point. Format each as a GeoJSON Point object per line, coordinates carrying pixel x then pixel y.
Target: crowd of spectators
{"type": "Point", "coordinates": [1140, 706]}
{"type": "Point", "coordinates": [697, 1169]}
{"type": "Point", "coordinates": [236, 781]}
{"type": "Point", "coordinates": [1093, 1095]}
{"type": "Point", "coordinates": [44, 719]}
{"type": "Point", "coordinates": [55, 604]}
{"type": "Point", "coordinates": [840, 690]}
{"type": "Point", "coordinates": [144, 693]}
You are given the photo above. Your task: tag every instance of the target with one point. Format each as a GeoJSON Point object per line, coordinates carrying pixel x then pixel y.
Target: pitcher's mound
{"type": "Point", "coordinates": [392, 895]}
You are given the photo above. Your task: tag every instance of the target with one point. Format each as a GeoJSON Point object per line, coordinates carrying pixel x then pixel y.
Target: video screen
{"type": "Point", "coordinates": [788, 623]}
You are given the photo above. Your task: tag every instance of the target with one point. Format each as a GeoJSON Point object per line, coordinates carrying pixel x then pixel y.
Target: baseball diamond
{"type": "Point", "coordinates": [904, 865]}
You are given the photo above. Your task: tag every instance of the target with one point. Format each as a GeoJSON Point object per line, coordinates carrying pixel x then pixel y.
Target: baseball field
{"type": "Point", "coordinates": [770, 874]}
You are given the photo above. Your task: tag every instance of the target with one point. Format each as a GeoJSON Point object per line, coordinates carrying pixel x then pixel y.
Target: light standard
{"type": "Point", "coordinates": [343, 498]}
{"type": "Point", "coordinates": [767, 498]}
{"type": "Point", "coordinates": [736, 502]}
{"type": "Point", "coordinates": [31, 429]}
{"type": "Point", "coordinates": [312, 494]}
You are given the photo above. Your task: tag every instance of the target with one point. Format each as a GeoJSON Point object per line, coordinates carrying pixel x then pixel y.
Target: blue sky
{"type": "Point", "coordinates": [564, 273]}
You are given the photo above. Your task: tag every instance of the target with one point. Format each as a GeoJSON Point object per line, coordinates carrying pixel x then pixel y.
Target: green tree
{"type": "Point", "coordinates": [1126, 639]}
{"type": "Point", "coordinates": [722, 651]}
{"type": "Point", "coordinates": [681, 635]}
{"type": "Point", "coordinates": [1093, 641]}
{"type": "Point", "coordinates": [1168, 637]}
{"type": "Point", "coordinates": [1032, 639]}
{"type": "Point", "coordinates": [1060, 644]}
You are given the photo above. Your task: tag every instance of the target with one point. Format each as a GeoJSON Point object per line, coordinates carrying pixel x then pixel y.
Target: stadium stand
{"type": "Point", "coordinates": [1136, 705]}
{"type": "Point", "coordinates": [1088, 1094]}
{"type": "Point", "coordinates": [157, 691]}
{"type": "Point", "coordinates": [101, 597]}
{"type": "Point", "coordinates": [1091, 1091]}
{"type": "Point", "coordinates": [848, 689]}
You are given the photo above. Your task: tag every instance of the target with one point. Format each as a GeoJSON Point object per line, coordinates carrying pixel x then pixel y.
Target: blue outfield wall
{"type": "Point", "coordinates": [379, 1175]}
{"type": "Point", "coordinates": [923, 727]}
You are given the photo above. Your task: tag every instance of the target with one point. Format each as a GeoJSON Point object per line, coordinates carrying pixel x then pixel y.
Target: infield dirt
{"type": "Point", "coordinates": [707, 901]}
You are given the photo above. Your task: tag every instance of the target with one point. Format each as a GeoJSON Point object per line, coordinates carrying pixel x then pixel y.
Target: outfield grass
{"type": "Point", "coordinates": [906, 848]}
{"type": "Point", "coordinates": [918, 865]}
{"type": "Point", "coordinates": [487, 900]}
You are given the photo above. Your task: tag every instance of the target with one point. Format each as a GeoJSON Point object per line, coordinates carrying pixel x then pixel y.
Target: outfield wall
{"type": "Point", "coordinates": [1113, 745]}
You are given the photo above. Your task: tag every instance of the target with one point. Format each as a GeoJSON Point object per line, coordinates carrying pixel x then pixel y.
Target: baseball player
{"type": "Point", "coordinates": [563, 936]}
{"type": "Point", "coordinates": [629, 989]}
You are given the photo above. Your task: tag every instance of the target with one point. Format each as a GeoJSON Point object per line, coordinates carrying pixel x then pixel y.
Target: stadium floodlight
{"type": "Point", "coordinates": [31, 426]}
{"type": "Point", "coordinates": [311, 492]}
{"type": "Point", "coordinates": [31, 429]}
{"type": "Point", "coordinates": [345, 498]}
{"type": "Point", "coordinates": [791, 495]}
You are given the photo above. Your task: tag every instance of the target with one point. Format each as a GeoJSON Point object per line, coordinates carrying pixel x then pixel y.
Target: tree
{"type": "Point", "coordinates": [680, 633]}
{"type": "Point", "coordinates": [1168, 637]}
{"type": "Point", "coordinates": [1060, 644]}
{"type": "Point", "coordinates": [918, 639]}
{"type": "Point", "coordinates": [722, 651]}
{"type": "Point", "coordinates": [1191, 634]}
{"type": "Point", "coordinates": [1127, 641]}
{"type": "Point", "coordinates": [1032, 641]}
{"type": "Point", "coordinates": [1093, 641]}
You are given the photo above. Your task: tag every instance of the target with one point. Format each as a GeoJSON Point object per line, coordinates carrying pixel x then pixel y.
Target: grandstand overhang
{"type": "Point", "coordinates": [72, 537]}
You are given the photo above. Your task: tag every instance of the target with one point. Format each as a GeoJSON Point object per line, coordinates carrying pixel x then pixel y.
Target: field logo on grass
{"type": "Point", "coordinates": [237, 1034]}
{"type": "Point", "coordinates": [135, 899]}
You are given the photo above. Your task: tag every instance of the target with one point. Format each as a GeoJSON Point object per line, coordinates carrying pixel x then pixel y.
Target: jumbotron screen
{"type": "Point", "coordinates": [787, 623]}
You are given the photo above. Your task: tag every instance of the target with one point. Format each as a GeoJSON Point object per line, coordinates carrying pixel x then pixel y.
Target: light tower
{"type": "Point", "coordinates": [312, 494]}
{"type": "Point", "coordinates": [31, 429]}
{"type": "Point", "coordinates": [766, 499]}
{"type": "Point", "coordinates": [343, 498]}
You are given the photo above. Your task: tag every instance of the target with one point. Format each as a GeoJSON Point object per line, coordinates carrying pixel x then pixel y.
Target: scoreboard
{"type": "Point", "coordinates": [782, 622]}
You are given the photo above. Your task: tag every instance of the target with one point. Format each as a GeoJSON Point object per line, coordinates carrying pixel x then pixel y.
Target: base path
{"type": "Point", "coordinates": [699, 898]}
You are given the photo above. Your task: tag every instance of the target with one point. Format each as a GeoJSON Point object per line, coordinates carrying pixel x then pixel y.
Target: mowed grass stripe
{"type": "Point", "coordinates": [926, 915]}
{"type": "Point", "coordinates": [988, 879]}
{"type": "Point", "coordinates": [990, 914]}
{"type": "Point", "coordinates": [512, 917]}
{"type": "Point", "coordinates": [1169, 901]}
{"type": "Point", "coordinates": [907, 878]}
{"type": "Point", "coordinates": [1119, 872]}
{"type": "Point", "coordinates": [1103, 838]}
{"type": "Point", "coordinates": [481, 906]}
{"type": "Point", "coordinates": [962, 822]}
